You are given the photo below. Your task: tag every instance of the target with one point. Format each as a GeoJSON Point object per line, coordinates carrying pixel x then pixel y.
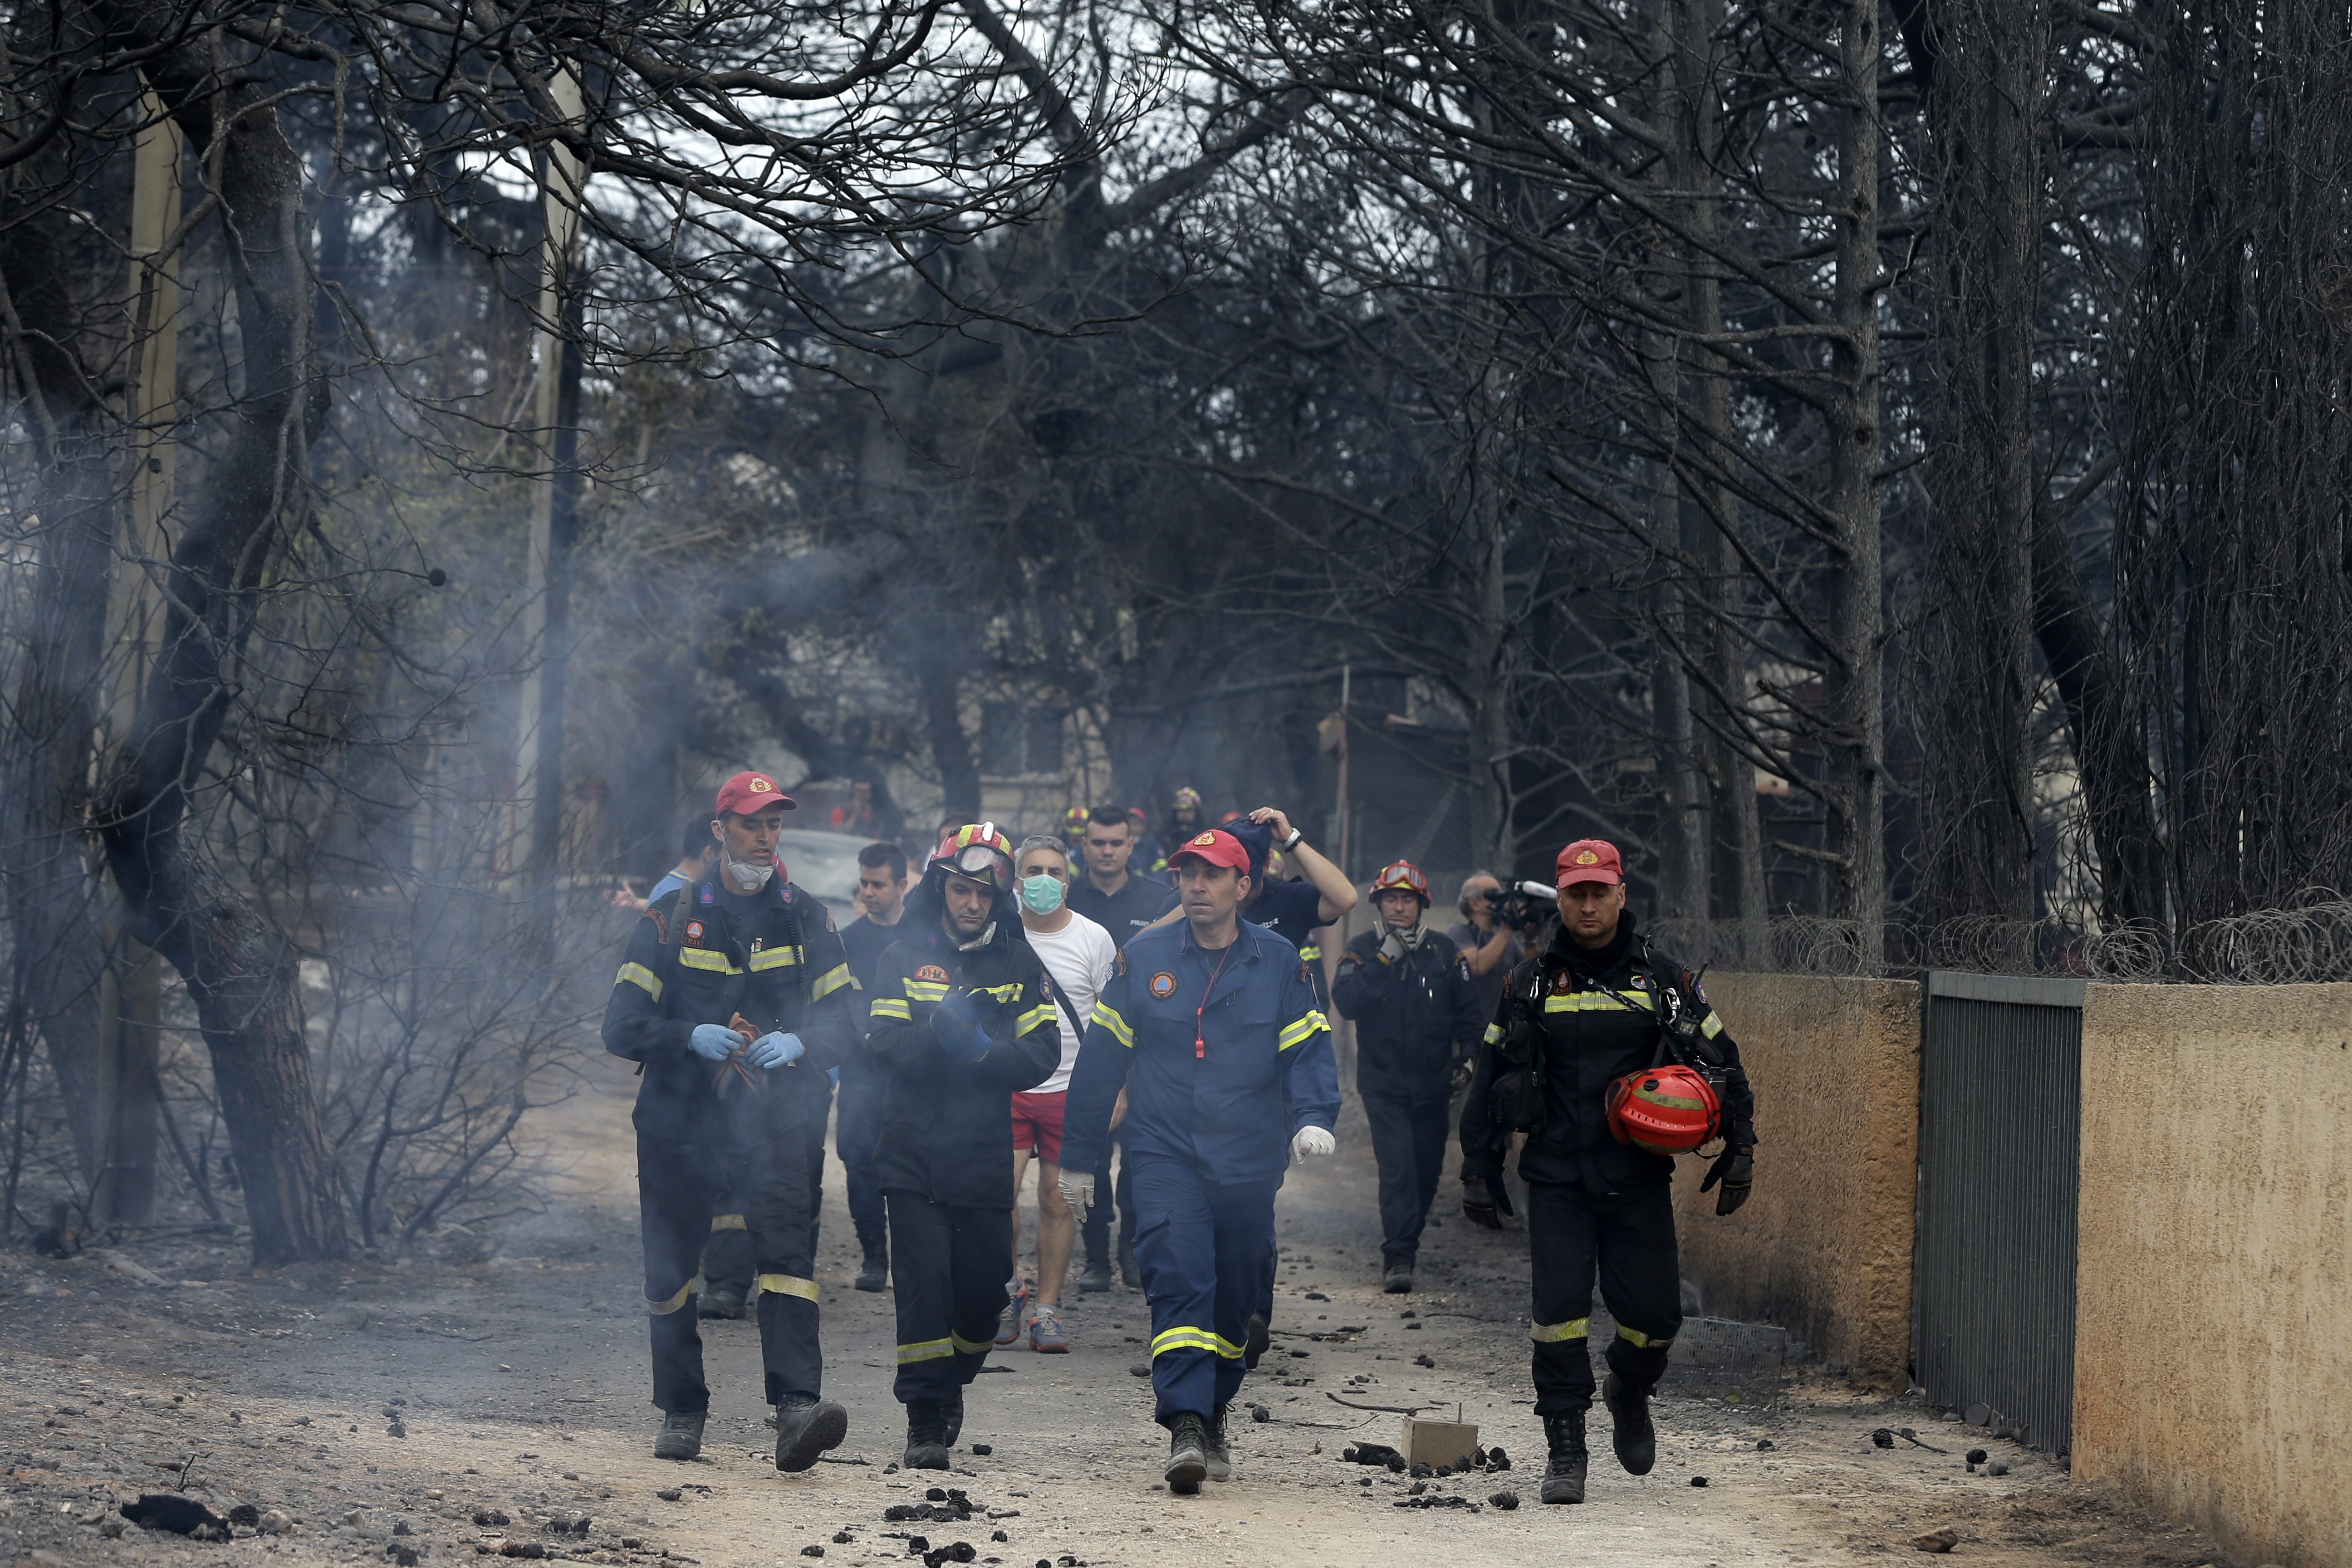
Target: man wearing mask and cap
{"type": "Point", "coordinates": [1079, 954]}
{"type": "Point", "coordinates": [735, 1000]}
{"type": "Point", "coordinates": [962, 1018]}
{"type": "Point", "coordinates": [1211, 1028]}
{"type": "Point", "coordinates": [1415, 1009]}
{"type": "Point", "coordinates": [1595, 1006]}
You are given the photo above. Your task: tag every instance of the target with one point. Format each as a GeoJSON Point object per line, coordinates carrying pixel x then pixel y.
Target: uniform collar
{"type": "Point", "coordinates": [1245, 939]}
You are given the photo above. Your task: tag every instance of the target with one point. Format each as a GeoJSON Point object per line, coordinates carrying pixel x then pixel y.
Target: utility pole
{"type": "Point", "coordinates": [130, 991]}
{"type": "Point", "coordinates": [547, 612]}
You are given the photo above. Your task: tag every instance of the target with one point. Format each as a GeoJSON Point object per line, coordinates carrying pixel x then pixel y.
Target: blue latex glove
{"type": "Point", "coordinates": [774, 1049]}
{"type": "Point", "coordinates": [957, 1029]}
{"type": "Point", "coordinates": [714, 1042]}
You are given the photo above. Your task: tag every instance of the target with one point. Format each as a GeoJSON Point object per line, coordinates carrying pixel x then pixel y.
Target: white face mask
{"type": "Point", "coordinates": [743, 874]}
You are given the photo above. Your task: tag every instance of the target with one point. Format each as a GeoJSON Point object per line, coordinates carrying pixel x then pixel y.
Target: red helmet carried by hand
{"type": "Point", "coordinates": [1669, 1110]}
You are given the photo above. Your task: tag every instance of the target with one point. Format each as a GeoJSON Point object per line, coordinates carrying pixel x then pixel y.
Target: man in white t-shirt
{"type": "Point", "coordinates": [1079, 954]}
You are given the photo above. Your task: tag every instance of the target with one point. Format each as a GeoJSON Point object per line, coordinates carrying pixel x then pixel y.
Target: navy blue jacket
{"type": "Point", "coordinates": [1262, 1067]}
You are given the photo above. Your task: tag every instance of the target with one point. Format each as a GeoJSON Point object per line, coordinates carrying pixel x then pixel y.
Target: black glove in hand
{"type": "Point", "coordinates": [1736, 1169]}
{"type": "Point", "coordinates": [1478, 1203]}
{"type": "Point", "coordinates": [1463, 1069]}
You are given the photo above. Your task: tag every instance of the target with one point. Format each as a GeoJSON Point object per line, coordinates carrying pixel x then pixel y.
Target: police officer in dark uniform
{"type": "Point", "coordinates": [1416, 1008]}
{"type": "Point", "coordinates": [1211, 1028]}
{"type": "Point", "coordinates": [962, 1017]}
{"type": "Point", "coordinates": [729, 1109]}
{"type": "Point", "coordinates": [1590, 1007]}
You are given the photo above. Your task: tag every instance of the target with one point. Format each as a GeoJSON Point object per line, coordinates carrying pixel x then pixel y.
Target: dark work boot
{"type": "Point", "coordinates": [1130, 1272]}
{"type": "Point", "coordinates": [1631, 1434]}
{"type": "Point", "coordinates": [720, 1302]}
{"type": "Point", "coordinates": [1255, 1345]}
{"type": "Point", "coordinates": [1396, 1277]}
{"type": "Point", "coordinates": [1096, 1277]}
{"type": "Point", "coordinates": [926, 1446]}
{"type": "Point", "coordinates": [1213, 1440]}
{"type": "Point", "coordinates": [1563, 1480]}
{"type": "Point", "coordinates": [805, 1427]}
{"type": "Point", "coordinates": [873, 1274]}
{"type": "Point", "coordinates": [951, 1418]}
{"type": "Point", "coordinates": [1188, 1453]}
{"type": "Point", "coordinates": [681, 1435]}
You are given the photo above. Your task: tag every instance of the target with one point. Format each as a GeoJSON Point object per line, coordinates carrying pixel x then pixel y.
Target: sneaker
{"type": "Point", "coordinates": [805, 1427]}
{"type": "Point", "coordinates": [681, 1435]}
{"type": "Point", "coordinates": [720, 1304]}
{"type": "Point", "coordinates": [873, 1274]}
{"type": "Point", "coordinates": [1045, 1335]}
{"type": "Point", "coordinates": [1563, 1476]}
{"type": "Point", "coordinates": [927, 1445]}
{"type": "Point", "coordinates": [1220, 1458]}
{"type": "Point", "coordinates": [1397, 1280]}
{"type": "Point", "coordinates": [1008, 1325]}
{"type": "Point", "coordinates": [1630, 1433]}
{"type": "Point", "coordinates": [1188, 1454]}
{"type": "Point", "coordinates": [1096, 1277]}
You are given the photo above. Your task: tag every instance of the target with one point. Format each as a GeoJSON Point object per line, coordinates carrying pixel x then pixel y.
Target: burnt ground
{"type": "Point", "coordinates": [456, 1410]}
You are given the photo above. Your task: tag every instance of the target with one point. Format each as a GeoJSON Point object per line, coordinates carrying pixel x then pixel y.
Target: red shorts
{"type": "Point", "coordinates": [1037, 1124]}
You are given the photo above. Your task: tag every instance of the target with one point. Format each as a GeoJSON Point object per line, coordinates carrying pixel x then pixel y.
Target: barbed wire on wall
{"type": "Point", "coordinates": [2311, 942]}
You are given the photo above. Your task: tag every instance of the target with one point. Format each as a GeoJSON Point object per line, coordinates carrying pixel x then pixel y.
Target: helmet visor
{"type": "Point", "coordinates": [983, 863]}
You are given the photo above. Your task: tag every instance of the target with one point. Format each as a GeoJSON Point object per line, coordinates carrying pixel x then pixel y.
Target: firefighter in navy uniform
{"type": "Point", "coordinates": [1211, 1025]}
{"type": "Point", "coordinates": [1416, 1008]}
{"type": "Point", "coordinates": [724, 1109]}
{"type": "Point", "coordinates": [1597, 1004]}
{"type": "Point", "coordinates": [962, 1016]}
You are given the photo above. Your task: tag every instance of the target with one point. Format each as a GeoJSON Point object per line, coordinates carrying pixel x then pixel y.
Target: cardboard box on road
{"type": "Point", "coordinates": [1428, 1442]}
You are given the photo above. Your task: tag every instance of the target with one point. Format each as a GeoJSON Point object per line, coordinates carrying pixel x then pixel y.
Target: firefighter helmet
{"type": "Point", "coordinates": [1669, 1110]}
{"type": "Point", "coordinates": [979, 851]}
{"type": "Point", "coordinates": [1402, 874]}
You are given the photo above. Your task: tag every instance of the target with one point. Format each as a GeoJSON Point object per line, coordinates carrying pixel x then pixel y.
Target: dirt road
{"type": "Point", "coordinates": [452, 1411]}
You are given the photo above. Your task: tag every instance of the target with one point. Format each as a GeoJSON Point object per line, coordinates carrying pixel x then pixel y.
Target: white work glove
{"type": "Point", "coordinates": [774, 1049]}
{"type": "Point", "coordinates": [1310, 1142]}
{"type": "Point", "coordinates": [714, 1042]}
{"type": "Point", "coordinates": [1078, 1190]}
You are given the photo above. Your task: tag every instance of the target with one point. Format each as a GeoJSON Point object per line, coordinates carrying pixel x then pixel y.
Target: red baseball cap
{"type": "Point", "coordinates": [1588, 860]}
{"type": "Point", "coordinates": [1216, 848]}
{"type": "Point", "coordinates": [747, 793]}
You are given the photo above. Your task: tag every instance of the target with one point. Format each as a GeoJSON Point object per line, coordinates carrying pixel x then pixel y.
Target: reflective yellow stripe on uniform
{"type": "Point", "coordinates": [1589, 1002]}
{"type": "Point", "coordinates": [1107, 1016]}
{"type": "Point", "coordinates": [969, 1347]}
{"type": "Point", "coordinates": [1311, 954]}
{"type": "Point", "coordinates": [1037, 1016]}
{"type": "Point", "coordinates": [1008, 994]}
{"type": "Point", "coordinates": [704, 958]}
{"type": "Point", "coordinates": [930, 1349]}
{"type": "Point", "coordinates": [1712, 1027]}
{"type": "Point", "coordinates": [1301, 1029]}
{"type": "Point", "coordinates": [773, 958]}
{"type": "Point", "coordinates": [784, 1285]}
{"type": "Point", "coordinates": [727, 1222]}
{"type": "Point", "coordinates": [1493, 1033]}
{"type": "Point", "coordinates": [1646, 1341]}
{"type": "Point", "coordinates": [1194, 1340]}
{"type": "Point", "coordinates": [890, 1007]}
{"type": "Point", "coordinates": [925, 990]}
{"type": "Point", "coordinates": [664, 1309]}
{"type": "Point", "coordinates": [831, 981]}
{"type": "Point", "coordinates": [1559, 1334]}
{"type": "Point", "coordinates": [638, 975]}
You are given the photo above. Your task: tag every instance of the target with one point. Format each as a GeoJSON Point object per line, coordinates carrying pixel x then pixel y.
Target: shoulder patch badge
{"type": "Point", "coordinates": [1561, 982]}
{"type": "Point", "coordinates": [1163, 984]}
{"type": "Point", "coordinates": [707, 895]}
{"type": "Point", "coordinates": [694, 932]}
{"type": "Point", "coordinates": [932, 973]}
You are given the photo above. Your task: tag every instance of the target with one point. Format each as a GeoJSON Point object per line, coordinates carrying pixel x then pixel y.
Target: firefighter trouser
{"type": "Point", "coordinates": [1204, 1247]}
{"type": "Point", "coordinates": [1409, 1144]}
{"type": "Point", "coordinates": [857, 1133]}
{"type": "Point", "coordinates": [680, 1189]}
{"type": "Point", "coordinates": [727, 1255]}
{"type": "Point", "coordinates": [1628, 1237]}
{"type": "Point", "coordinates": [946, 1275]}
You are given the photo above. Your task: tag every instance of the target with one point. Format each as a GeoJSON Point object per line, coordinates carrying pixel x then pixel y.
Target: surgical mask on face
{"type": "Point", "coordinates": [743, 874]}
{"type": "Point", "coordinates": [1041, 894]}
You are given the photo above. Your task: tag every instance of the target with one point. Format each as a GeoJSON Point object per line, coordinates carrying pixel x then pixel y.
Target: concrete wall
{"type": "Point", "coordinates": [2213, 1348]}
{"type": "Point", "coordinates": [1823, 1246]}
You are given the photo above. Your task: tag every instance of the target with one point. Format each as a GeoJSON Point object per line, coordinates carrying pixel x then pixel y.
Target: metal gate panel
{"type": "Point", "coordinates": [1999, 1137]}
